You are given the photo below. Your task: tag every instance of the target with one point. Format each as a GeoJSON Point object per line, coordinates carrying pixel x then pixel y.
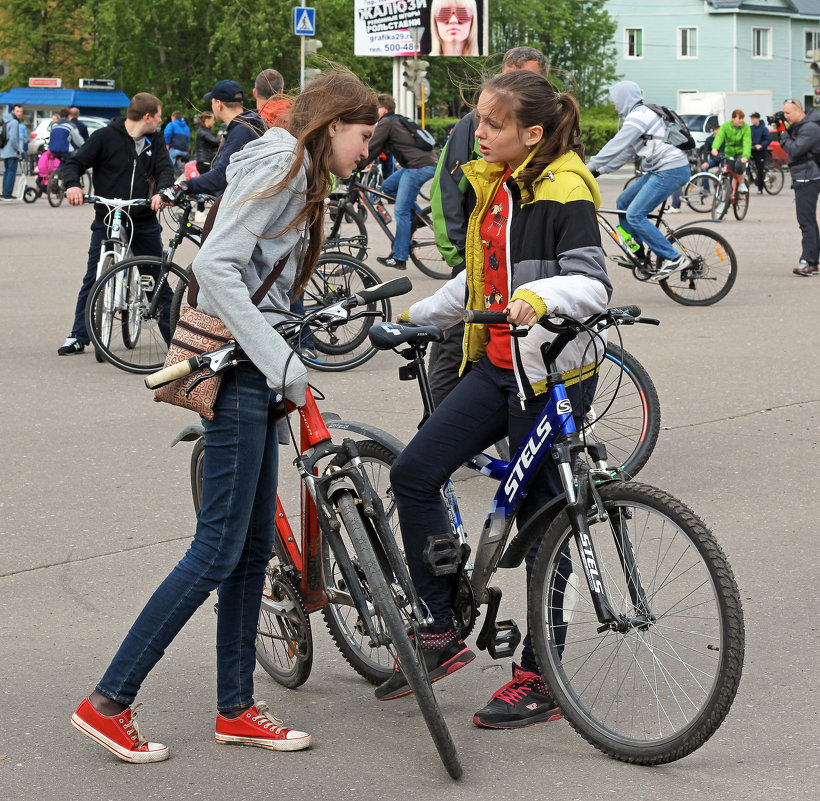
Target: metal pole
{"type": "Point", "coordinates": [302, 58]}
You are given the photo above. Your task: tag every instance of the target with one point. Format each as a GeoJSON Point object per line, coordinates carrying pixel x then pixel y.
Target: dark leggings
{"type": "Point", "coordinates": [482, 409]}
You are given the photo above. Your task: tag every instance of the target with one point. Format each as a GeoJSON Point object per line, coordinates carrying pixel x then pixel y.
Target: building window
{"type": "Point", "coordinates": [634, 42]}
{"type": "Point", "coordinates": [761, 42]}
{"type": "Point", "coordinates": [812, 40]}
{"type": "Point", "coordinates": [687, 42]}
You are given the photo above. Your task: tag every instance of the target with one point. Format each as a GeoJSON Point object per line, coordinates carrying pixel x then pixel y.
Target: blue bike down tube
{"type": "Point", "coordinates": [554, 420]}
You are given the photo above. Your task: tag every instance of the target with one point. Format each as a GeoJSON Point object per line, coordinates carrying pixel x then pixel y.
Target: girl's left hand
{"type": "Point", "coordinates": [521, 313]}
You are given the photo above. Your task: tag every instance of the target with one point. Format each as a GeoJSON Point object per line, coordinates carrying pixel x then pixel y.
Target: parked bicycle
{"type": "Point", "coordinates": [342, 523]}
{"type": "Point", "coordinates": [346, 231]}
{"type": "Point", "coordinates": [731, 191]}
{"type": "Point", "coordinates": [708, 278]}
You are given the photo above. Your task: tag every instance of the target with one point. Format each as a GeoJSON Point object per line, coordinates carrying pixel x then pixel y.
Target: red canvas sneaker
{"type": "Point", "coordinates": [256, 726]}
{"type": "Point", "coordinates": [118, 733]}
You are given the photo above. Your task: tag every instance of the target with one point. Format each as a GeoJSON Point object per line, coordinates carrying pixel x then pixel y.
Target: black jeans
{"type": "Point", "coordinates": [482, 409]}
{"type": "Point", "coordinates": [759, 160]}
{"type": "Point", "coordinates": [805, 201]}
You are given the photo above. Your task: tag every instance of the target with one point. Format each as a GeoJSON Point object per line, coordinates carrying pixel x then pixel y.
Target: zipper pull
{"type": "Point", "coordinates": [521, 401]}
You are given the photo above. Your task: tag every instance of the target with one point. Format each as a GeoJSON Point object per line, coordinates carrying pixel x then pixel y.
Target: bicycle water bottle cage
{"type": "Point", "coordinates": [499, 639]}
{"type": "Point", "coordinates": [442, 554]}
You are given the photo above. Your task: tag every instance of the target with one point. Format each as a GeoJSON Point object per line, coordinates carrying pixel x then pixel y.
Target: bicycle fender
{"type": "Point", "coordinates": [521, 543]}
{"type": "Point", "coordinates": [189, 434]}
{"type": "Point", "coordinates": [384, 439]}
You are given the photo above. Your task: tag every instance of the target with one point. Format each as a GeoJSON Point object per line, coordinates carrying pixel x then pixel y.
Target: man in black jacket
{"type": "Point", "coordinates": [418, 167]}
{"type": "Point", "coordinates": [801, 141]}
{"type": "Point", "coordinates": [129, 160]}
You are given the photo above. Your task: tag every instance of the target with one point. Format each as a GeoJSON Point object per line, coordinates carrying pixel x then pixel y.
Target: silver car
{"type": "Point", "coordinates": [39, 136]}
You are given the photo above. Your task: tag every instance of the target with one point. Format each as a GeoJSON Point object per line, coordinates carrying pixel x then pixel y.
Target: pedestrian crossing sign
{"type": "Point", "coordinates": [304, 21]}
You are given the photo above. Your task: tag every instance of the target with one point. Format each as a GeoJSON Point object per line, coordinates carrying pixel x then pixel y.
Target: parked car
{"type": "Point", "coordinates": [39, 136]}
{"type": "Point", "coordinates": [700, 126]}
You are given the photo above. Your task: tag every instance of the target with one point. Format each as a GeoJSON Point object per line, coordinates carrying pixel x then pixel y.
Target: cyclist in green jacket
{"type": "Point", "coordinates": [736, 136]}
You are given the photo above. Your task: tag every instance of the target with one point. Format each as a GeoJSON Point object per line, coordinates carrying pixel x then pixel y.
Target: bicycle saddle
{"type": "Point", "coordinates": [386, 336]}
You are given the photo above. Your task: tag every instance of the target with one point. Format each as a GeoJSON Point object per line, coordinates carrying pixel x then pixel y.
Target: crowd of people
{"type": "Point", "coordinates": [514, 211]}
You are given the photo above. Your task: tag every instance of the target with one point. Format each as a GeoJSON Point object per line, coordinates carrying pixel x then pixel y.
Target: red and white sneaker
{"type": "Point", "coordinates": [256, 726]}
{"type": "Point", "coordinates": [118, 733]}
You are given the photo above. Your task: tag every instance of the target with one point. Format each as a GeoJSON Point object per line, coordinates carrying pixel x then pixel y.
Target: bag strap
{"type": "Point", "coordinates": [270, 279]}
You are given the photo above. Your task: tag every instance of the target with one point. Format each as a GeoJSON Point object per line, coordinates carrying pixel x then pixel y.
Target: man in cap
{"type": "Point", "coordinates": [243, 126]}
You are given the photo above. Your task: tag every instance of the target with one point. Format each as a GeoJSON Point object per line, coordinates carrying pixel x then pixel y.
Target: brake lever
{"type": "Point", "coordinates": [190, 388]}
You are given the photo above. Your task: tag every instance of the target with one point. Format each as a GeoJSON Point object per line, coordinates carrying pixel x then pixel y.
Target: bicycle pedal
{"type": "Point", "coordinates": [442, 554]}
{"type": "Point", "coordinates": [147, 283]}
{"type": "Point", "coordinates": [504, 639]}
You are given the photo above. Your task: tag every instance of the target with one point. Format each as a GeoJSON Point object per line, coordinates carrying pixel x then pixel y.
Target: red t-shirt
{"type": "Point", "coordinates": [494, 230]}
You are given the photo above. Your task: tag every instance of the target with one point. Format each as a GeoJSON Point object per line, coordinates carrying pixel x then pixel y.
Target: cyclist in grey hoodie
{"type": "Point", "coordinates": [666, 169]}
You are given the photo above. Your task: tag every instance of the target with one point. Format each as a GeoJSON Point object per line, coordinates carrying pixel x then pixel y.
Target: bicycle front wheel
{"type": "Point", "coordinates": [741, 204]}
{"type": "Point", "coordinates": [711, 274]}
{"type": "Point", "coordinates": [55, 191]}
{"type": "Point", "coordinates": [423, 250]}
{"type": "Point", "coordinates": [134, 284]}
{"type": "Point", "coordinates": [625, 414]}
{"type": "Point", "coordinates": [699, 192]}
{"type": "Point", "coordinates": [773, 180]}
{"type": "Point", "coordinates": [387, 605]}
{"type": "Point", "coordinates": [723, 197]}
{"type": "Point", "coordinates": [659, 686]}
{"type": "Point", "coordinates": [340, 345]}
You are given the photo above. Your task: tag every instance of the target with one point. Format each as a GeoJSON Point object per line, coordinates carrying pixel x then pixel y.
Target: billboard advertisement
{"type": "Point", "coordinates": [422, 27]}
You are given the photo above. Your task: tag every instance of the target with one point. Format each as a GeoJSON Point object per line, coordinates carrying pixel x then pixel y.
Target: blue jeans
{"type": "Point", "coordinates": [404, 185]}
{"type": "Point", "coordinates": [147, 241]}
{"type": "Point", "coordinates": [481, 409]}
{"type": "Point", "coordinates": [641, 197]}
{"type": "Point", "coordinates": [175, 154]}
{"type": "Point", "coordinates": [230, 550]}
{"type": "Point", "coordinates": [9, 175]}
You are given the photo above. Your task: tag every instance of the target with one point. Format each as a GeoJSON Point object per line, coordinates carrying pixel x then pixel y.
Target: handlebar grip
{"type": "Point", "coordinates": [389, 289]}
{"type": "Point", "coordinates": [172, 373]}
{"type": "Point", "coordinates": [626, 311]}
{"type": "Point", "coordinates": [485, 317]}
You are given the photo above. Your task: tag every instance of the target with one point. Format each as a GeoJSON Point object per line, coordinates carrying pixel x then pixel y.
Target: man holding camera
{"type": "Point", "coordinates": [801, 141]}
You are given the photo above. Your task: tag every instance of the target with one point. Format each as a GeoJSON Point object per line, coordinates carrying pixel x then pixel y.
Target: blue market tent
{"type": "Point", "coordinates": [95, 102]}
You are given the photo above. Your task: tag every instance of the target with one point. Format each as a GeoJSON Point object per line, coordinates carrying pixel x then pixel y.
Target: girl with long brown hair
{"type": "Point", "coordinates": [275, 195]}
{"type": "Point", "coordinates": [533, 248]}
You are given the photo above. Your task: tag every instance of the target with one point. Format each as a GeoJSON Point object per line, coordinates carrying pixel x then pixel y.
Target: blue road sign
{"type": "Point", "coordinates": [304, 21]}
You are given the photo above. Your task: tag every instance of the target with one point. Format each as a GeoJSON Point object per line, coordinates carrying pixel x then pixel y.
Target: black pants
{"type": "Point", "coordinates": [445, 359]}
{"type": "Point", "coordinates": [482, 409]}
{"type": "Point", "coordinates": [759, 160]}
{"type": "Point", "coordinates": [805, 201]}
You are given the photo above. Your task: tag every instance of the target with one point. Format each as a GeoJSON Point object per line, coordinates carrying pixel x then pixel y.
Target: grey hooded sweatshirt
{"type": "Point", "coordinates": [244, 246]}
{"type": "Point", "coordinates": [639, 123]}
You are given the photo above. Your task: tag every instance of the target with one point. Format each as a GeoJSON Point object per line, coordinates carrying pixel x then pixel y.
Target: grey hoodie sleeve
{"type": "Point", "coordinates": [242, 248]}
{"type": "Point", "coordinates": [621, 148]}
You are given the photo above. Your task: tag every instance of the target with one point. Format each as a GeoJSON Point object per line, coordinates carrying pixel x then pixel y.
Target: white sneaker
{"type": "Point", "coordinates": [671, 266]}
{"type": "Point", "coordinates": [743, 188]}
{"type": "Point", "coordinates": [673, 210]}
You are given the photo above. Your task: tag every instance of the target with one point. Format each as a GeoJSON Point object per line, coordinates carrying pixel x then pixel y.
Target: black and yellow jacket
{"type": "Point", "coordinates": [556, 264]}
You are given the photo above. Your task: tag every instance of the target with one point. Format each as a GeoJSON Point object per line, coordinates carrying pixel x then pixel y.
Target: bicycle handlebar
{"type": "Point", "coordinates": [617, 314]}
{"type": "Point", "coordinates": [115, 201]}
{"type": "Point", "coordinates": [388, 289]}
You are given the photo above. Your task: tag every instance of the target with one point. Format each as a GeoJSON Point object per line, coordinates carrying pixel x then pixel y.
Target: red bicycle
{"type": "Point", "coordinates": [731, 191]}
{"type": "Point", "coordinates": [345, 556]}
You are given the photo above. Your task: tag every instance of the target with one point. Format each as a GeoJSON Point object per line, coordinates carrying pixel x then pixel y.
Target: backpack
{"type": "Point", "coordinates": [4, 134]}
{"type": "Point", "coordinates": [59, 140]}
{"type": "Point", "coordinates": [676, 132]}
{"type": "Point", "coordinates": [422, 139]}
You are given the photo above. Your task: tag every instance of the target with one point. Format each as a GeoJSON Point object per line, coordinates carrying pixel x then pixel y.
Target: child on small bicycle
{"type": "Point", "coordinates": [533, 247]}
{"type": "Point", "coordinates": [275, 194]}
{"type": "Point", "coordinates": [47, 165]}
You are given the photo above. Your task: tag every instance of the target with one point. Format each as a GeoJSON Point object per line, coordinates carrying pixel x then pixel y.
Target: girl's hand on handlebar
{"type": "Point", "coordinates": [520, 312]}
{"type": "Point", "coordinates": [74, 195]}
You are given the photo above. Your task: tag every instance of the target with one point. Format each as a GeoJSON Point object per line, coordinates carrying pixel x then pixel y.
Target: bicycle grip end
{"type": "Point", "coordinates": [172, 373]}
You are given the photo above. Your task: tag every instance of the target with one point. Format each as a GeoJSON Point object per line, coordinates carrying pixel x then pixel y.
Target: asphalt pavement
{"type": "Point", "coordinates": [95, 509]}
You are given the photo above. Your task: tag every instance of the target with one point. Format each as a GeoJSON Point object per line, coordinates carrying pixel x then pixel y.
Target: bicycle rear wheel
{"type": "Point", "coordinates": [699, 192]}
{"type": "Point", "coordinates": [341, 345]}
{"type": "Point", "coordinates": [423, 250]}
{"type": "Point", "coordinates": [55, 191]}
{"type": "Point", "coordinates": [723, 197]}
{"type": "Point", "coordinates": [773, 180]}
{"type": "Point", "coordinates": [625, 414]}
{"type": "Point", "coordinates": [387, 605]}
{"type": "Point", "coordinates": [741, 204]}
{"type": "Point", "coordinates": [133, 283]}
{"type": "Point", "coordinates": [659, 687]}
{"type": "Point", "coordinates": [712, 272]}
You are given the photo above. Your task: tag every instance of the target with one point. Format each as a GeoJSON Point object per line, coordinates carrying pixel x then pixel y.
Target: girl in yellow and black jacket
{"type": "Point", "coordinates": [533, 246]}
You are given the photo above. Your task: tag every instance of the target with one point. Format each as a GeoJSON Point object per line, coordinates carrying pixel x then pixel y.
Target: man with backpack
{"type": "Point", "coordinates": [11, 149]}
{"type": "Point", "coordinates": [644, 134]}
{"type": "Point", "coordinates": [801, 141]}
{"type": "Point", "coordinates": [414, 152]}
{"type": "Point", "coordinates": [64, 138]}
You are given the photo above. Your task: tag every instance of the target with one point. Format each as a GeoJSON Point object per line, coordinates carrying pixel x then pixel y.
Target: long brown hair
{"type": "Point", "coordinates": [338, 95]}
{"type": "Point", "coordinates": [532, 100]}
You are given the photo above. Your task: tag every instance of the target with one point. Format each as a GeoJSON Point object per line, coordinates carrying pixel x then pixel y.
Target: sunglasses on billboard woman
{"type": "Point", "coordinates": [462, 14]}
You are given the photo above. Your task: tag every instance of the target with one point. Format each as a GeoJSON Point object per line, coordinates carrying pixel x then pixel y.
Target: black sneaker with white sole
{"type": "Point", "coordinates": [393, 262]}
{"type": "Point", "coordinates": [71, 345]}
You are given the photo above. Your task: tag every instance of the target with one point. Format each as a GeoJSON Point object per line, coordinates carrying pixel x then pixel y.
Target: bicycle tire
{"type": "Point", "coordinates": [103, 314]}
{"type": "Point", "coordinates": [424, 252]}
{"type": "Point", "coordinates": [284, 640]}
{"type": "Point", "coordinates": [712, 273]}
{"type": "Point", "coordinates": [773, 180]}
{"type": "Point", "coordinates": [741, 205]}
{"type": "Point", "coordinates": [676, 665]}
{"type": "Point", "coordinates": [132, 322]}
{"type": "Point", "coordinates": [630, 411]}
{"type": "Point", "coordinates": [55, 192]}
{"type": "Point", "coordinates": [412, 664]}
{"type": "Point", "coordinates": [373, 663]}
{"type": "Point", "coordinates": [149, 353]}
{"type": "Point", "coordinates": [699, 192]}
{"type": "Point", "coordinates": [632, 180]}
{"type": "Point", "coordinates": [342, 345]}
{"type": "Point", "coordinates": [723, 197]}
{"type": "Point", "coordinates": [30, 195]}
{"type": "Point", "coordinates": [180, 298]}
{"type": "Point", "coordinates": [351, 231]}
